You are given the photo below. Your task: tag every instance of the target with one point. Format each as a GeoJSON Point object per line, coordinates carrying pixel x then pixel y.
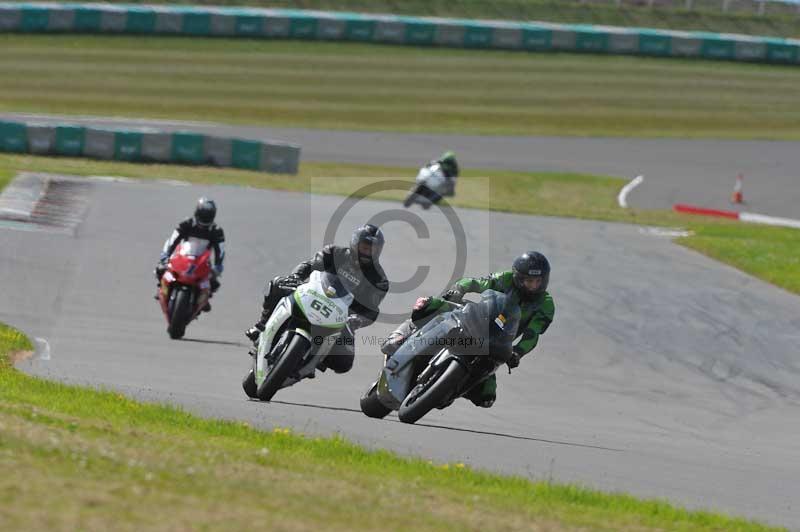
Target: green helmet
{"type": "Point", "coordinates": [449, 164]}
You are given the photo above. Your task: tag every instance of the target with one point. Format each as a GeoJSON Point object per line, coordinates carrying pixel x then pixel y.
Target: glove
{"type": "Point", "coordinates": [355, 321]}
{"type": "Point", "coordinates": [421, 309]}
{"type": "Point", "coordinates": [421, 303]}
{"type": "Point", "coordinates": [291, 281]}
{"type": "Point", "coordinates": [455, 295]}
{"type": "Point", "coordinates": [513, 361]}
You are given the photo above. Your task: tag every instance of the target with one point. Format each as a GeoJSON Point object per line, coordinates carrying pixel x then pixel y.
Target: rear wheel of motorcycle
{"type": "Point", "coordinates": [283, 368]}
{"type": "Point", "coordinates": [371, 405]}
{"type": "Point", "coordinates": [249, 385]}
{"type": "Point", "coordinates": [181, 310]}
{"type": "Point", "coordinates": [426, 396]}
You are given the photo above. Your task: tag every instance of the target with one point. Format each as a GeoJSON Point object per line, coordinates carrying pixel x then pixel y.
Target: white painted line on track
{"type": "Point", "coordinates": [768, 220]}
{"type": "Point", "coordinates": [43, 348]}
{"type": "Point", "coordinates": [105, 179]}
{"type": "Point", "coordinates": [8, 211]}
{"type": "Point", "coordinates": [110, 179]}
{"type": "Point", "coordinates": [171, 182]}
{"type": "Point", "coordinates": [623, 193]}
{"type": "Point", "coordinates": [130, 180]}
{"type": "Point", "coordinates": [30, 227]}
{"type": "Point", "coordinates": [665, 232]}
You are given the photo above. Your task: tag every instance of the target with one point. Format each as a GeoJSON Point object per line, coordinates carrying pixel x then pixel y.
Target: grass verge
{"type": "Point", "coordinates": [12, 344]}
{"type": "Point", "coordinates": [543, 193]}
{"type": "Point", "coordinates": [115, 463]}
{"type": "Point", "coordinates": [371, 87]}
{"type": "Point", "coordinates": [766, 252]}
{"type": "Point", "coordinates": [779, 20]}
{"type": "Point", "coordinates": [769, 253]}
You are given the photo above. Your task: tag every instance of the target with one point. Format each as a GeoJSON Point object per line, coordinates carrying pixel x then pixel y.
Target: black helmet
{"type": "Point", "coordinates": [531, 265]}
{"type": "Point", "coordinates": [205, 212]}
{"type": "Point", "coordinates": [370, 235]}
{"type": "Point", "coordinates": [449, 164]}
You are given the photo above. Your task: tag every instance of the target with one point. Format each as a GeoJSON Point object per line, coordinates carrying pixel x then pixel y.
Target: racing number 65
{"type": "Point", "coordinates": [325, 310]}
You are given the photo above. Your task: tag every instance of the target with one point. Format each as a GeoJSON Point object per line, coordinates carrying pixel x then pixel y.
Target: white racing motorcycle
{"type": "Point", "coordinates": [299, 334]}
{"type": "Point", "coordinates": [430, 187]}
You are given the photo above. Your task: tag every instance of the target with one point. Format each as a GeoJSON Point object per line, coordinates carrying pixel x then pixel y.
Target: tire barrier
{"type": "Point", "coordinates": [148, 146]}
{"type": "Point", "coordinates": [322, 25]}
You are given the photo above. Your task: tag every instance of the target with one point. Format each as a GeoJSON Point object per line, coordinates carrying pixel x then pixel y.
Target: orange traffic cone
{"type": "Point", "coordinates": [738, 196]}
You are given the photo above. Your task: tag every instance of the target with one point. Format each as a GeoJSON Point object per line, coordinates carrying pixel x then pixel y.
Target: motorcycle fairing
{"type": "Point", "coordinates": [478, 319]}
{"type": "Point", "coordinates": [189, 265]}
{"type": "Point", "coordinates": [323, 300]}
{"type": "Point", "coordinates": [397, 375]}
{"type": "Point", "coordinates": [282, 312]}
{"type": "Point", "coordinates": [433, 178]}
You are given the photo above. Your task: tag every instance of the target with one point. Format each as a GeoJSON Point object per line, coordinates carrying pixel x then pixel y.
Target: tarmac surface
{"type": "Point", "coordinates": [701, 172]}
{"type": "Point", "coordinates": [665, 374]}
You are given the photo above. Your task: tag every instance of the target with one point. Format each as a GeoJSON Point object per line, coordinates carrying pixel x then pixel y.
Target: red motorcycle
{"type": "Point", "coordinates": [186, 285]}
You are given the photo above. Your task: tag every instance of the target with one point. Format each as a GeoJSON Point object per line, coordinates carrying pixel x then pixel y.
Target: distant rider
{"type": "Point", "coordinates": [449, 167]}
{"type": "Point", "coordinates": [200, 226]}
{"type": "Point", "coordinates": [526, 282]}
{"type": "Point", "coordinates": [358, 267]}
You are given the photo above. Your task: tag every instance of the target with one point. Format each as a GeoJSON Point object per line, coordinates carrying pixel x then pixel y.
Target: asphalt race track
{"type": "Point", "coordinates": [702, 172]}
{"type": "Point", "coordinates": [665, 374]}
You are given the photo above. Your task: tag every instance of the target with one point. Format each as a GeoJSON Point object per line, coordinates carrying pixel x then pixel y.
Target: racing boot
{"type": "Point", "coordinates": [392, 344]}
{"type": "Point", "coordinates": [254, 332]}
{"type": "Point", "coordinates": [397, 338]}
{"type": "Point", "coordinates": [485, 394]}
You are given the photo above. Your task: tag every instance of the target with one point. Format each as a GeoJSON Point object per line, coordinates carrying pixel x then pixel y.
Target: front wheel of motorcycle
{"type": "Point", "coordinates": [287, 362]}
{"type": "Point", "coordinates": [249, 385]}
{"type": "Point", "coordinates": [428, 395]}
{"type": "Point", "coordinates": [181, 312]}
{"type": "Point", "coordinates": [371, 405]}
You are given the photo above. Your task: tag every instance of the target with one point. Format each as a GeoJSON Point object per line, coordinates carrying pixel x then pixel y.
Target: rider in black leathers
{"type": "Point", "coordinates": [201, 226]}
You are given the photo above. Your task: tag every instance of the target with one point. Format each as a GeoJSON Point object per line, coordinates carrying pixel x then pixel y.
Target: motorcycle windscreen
{"type": "Point", "coordinates": [193, 247]}
{"type": "Point", "coordinates": [396, 378]}
{"type": "Point", "coordinates": [493, 320]}
{"type": "Point", "coordinates": [332, 286]}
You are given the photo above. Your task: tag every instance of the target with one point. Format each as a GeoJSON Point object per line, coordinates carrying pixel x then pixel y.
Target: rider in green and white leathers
{"type": "Point", "coordinates": [536, 306]}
